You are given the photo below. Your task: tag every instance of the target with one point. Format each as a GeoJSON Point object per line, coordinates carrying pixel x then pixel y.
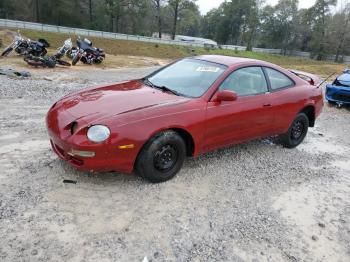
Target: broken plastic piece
{"type": "Point", "coordinates": [68, 181]}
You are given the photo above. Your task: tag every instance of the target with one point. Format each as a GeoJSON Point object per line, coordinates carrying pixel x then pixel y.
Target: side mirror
{"type": "Point", "coordinates": [226, 95]}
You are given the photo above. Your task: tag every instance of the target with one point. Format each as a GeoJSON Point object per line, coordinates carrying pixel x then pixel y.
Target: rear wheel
{"type": "Point", "coordinates": [35, 63]}
{"type": "Point", "coordinates": [296, 133]}
{"type": "Point", "coordinates": [162, 157]}
{"type": "Point", "coordinates": [63, 63]}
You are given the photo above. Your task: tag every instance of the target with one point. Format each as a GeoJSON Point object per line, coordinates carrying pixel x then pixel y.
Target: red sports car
{"type": "Point", "coordinates": [187, 108]}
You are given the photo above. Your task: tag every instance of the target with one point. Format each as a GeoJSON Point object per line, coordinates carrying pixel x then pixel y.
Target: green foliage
{"type": "Point", "coordinates": [320, 18]}
{"type": "Point", "coordinates": [178, 7]}
{"type": "Point", "coordinates": [278, 26]}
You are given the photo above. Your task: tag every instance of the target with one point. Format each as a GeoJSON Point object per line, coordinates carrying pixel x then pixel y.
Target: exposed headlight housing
{"type": "Point", "coordinates": [98, 133]}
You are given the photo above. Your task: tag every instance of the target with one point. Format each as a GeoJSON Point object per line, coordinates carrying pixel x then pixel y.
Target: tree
{"type": "Point", "coordinates": [177, 7]}
{"type": "Point", "coordinates": [253, 22]}
{"type": "Point", "coordinates": [158, 5]}
{"type": "Point", "coordinates": [7, 9]}
{"type": "Point", "coordinates": [90, 11]}
{"type": "Point", "coordinates": [36, 10]}
{"type": "Point", "coordinates": [189, 22]}
{"type": "Point", "coordinates": [344, 30]}
{"type": "Point", "coordinates": [321, 13]}
{"type": "Point", "coordinates": [303, 28]}
{"type": "Point", "coordinates": [278, 24]}
{"type": "Point", "coordinates": [215, 25]}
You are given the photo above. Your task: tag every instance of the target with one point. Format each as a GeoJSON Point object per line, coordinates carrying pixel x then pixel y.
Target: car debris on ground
{"type": "Point", "coordinates": [14, 73]}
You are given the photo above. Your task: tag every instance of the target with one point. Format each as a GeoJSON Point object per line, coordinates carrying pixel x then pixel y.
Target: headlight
{"type": "Point", "coordinates": [98, 133]}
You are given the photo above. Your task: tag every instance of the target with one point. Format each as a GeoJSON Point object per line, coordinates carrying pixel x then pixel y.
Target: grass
{"type": "Point", "coordinates": [122, 49]}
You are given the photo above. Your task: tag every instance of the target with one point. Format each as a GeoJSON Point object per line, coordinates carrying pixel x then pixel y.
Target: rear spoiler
{"type": "Point", "coordinates": [310, 78]}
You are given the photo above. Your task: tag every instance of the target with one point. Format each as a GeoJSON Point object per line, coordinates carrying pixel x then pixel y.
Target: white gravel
{"type": "Point", "coordinates": [252, 202]}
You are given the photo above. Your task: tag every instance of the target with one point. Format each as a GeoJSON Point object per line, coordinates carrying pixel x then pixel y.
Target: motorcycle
{"type": "Point", "coordinates": [23, 46]}
{"type": "Point", "coordinates": [86, 53]}
{"type": "Point", "coordinates": [51, 61]}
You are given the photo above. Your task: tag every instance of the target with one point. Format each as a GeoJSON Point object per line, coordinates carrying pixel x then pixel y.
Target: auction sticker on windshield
{"type": "Point", "coordinates": [208, 69]}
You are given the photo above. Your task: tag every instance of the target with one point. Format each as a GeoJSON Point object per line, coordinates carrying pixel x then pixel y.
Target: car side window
{"type": "Point", "coordinates": [278, 80]}
{"type": "Point", "coordinates": [246, 81]}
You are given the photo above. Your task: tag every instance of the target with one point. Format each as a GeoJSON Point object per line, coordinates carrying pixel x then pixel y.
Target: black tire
{"type": "Point", "coordinates": [98, 61]}
{"type": "Point", "coordinates": [35, 63]}
{"type": "Point", "coordinates": [63, 63]}
{"type": "Point", "coordinates": [84, 60]}
{"type": "Point", "coordinates": [7, 51]}
{"type": "Point", "coordinates": [161, 158]}
{"type": "Point", "coordinates": [297, 132]}
{"type": "Point", "coordinates": [50, 63]}
{"type": "Point", "coordinates": [76, 59]}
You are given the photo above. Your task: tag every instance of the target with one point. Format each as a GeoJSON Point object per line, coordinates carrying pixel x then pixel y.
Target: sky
{"type": "Point", "coordinates": [207, 5]}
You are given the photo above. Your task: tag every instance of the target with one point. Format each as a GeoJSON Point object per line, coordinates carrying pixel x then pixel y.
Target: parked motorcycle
{"type": "Point", "coordinates": [86, 53]}
{"type": "Point", "coordinates": [24, 46]}
{"type": "Point", "coordinates": [51, 61]}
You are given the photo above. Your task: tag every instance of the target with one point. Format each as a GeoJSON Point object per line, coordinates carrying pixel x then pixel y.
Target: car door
{"type": "Point", "coordinates": [286, 99]}
{"type": "Point", "coordinates": [249, 117]}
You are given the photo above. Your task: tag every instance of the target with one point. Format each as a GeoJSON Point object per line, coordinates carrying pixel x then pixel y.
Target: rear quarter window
{"type": "Point", "coordinates": [278, 80]}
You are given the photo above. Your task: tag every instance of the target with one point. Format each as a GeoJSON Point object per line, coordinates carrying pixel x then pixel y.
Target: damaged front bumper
{"type": "Point", "coordinates": [338, 94]}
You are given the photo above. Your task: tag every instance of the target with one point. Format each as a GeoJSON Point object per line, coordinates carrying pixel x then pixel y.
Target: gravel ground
{"type": "Point", "coordinates": [252, 202]}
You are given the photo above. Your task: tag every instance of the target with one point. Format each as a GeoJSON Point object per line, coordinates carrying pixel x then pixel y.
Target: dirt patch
{"type": "Point", "coordinates": [112, 61]}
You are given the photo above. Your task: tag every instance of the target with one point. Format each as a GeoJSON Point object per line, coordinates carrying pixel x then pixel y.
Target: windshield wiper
{"type": "Point", "coordinates": [147, 82]}
{"type": "Point", "coordinates": [167, 89]}
{"type": "Point", "coordinates": [163, 88]}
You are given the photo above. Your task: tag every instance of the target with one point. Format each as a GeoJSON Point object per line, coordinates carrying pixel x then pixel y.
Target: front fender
{"type": "Point", "coordinates": [134, 135]}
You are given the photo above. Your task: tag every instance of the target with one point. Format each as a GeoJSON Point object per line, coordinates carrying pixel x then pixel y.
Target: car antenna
{"type": "Point", "coordinates": [325, 80]}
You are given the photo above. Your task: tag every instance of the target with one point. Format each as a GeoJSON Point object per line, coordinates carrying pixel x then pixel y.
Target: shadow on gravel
{"type": "Point", "coordinates": [191, 165]}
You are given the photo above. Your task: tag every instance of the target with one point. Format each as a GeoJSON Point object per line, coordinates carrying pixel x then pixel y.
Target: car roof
{"type": "Point", "coordinates": [227, 60]}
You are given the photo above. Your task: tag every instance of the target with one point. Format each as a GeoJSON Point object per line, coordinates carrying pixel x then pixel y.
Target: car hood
{"type": "Point", "coordinates": [103, 102]}
{"type": "Point", "coordinates": [343, 80]}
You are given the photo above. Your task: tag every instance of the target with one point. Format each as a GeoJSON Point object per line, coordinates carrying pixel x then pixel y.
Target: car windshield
{"type": "Point", "coordinates": [188, 77]}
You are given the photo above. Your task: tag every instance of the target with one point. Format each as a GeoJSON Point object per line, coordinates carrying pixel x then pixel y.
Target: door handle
{"type": "Point", "coordinates": [267, 105]}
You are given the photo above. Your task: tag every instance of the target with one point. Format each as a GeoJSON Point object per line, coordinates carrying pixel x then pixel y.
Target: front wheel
{"type": "Point", "coordinates": [7, 51]}
{"type": "Point", "coordinates": [297, 132]}
{"type": "Point", "coordinates": [76, 58]}
{"type": "Point", "coordinates": [162, 157]}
